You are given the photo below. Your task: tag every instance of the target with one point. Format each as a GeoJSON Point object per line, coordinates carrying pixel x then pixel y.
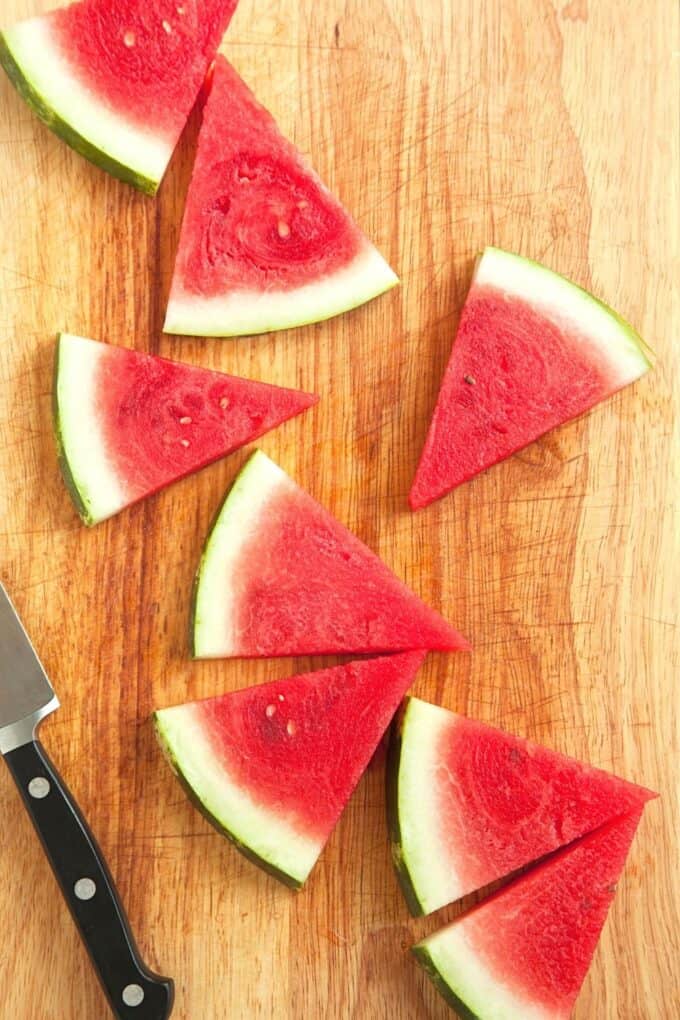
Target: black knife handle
{"type": "Point", "coordinates": [134, 992]}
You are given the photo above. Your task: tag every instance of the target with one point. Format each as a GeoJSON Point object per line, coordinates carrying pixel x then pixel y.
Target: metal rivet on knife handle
{"type": "Point", "coordinates": [85, 888]}
{"type": "Point", "coordinates": [133, 995]}
{"type": "Point", "coordinates": [39, 787]}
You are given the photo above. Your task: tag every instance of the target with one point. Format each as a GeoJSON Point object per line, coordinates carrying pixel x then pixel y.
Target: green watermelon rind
{"type": "Point", "coordinates": [425, 960]}
{"type": "Point", "coordinates": [255, 477]}
{"type": "Point", "coordinates": [75, 490]}
{"type": "Point", "coordinates": [252, 313]}
{"type": "Point", "coordinates": [166, 744]}
{"type": "Point", "coordinates": [90, 478]}
{"type": "Point", "coordinates": [41, 106]}
{"type": "Point", "coordinates": [575, 296]}
{"type": "Point", "coordinates": [426, 872]}
{"type": "Point", "coordinates": [392, 803]}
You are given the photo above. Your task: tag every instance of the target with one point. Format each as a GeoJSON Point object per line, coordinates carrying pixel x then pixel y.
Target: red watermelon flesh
{"type": "Point", "coordinates": [274, 765]}
{"type": "Point", "coordinates": [130, 423]}
{"type": "Point", "coordinates": [281, 576]}
{"type": "Point", "coordinates": [146, 58]}
{"type": "Point", "coordinates": [263, 244]}
{"type": "Point", "coordinates": [493, 803]}
{"type": "Point", "coordinates": [523, 954]}
{"type": "Point", "coordinates": [532, 351]}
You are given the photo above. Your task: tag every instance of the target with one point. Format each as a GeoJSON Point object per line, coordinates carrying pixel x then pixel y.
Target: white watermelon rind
{"type": "Point", "coordinates": [90, 480]}
{"type": "Point", "coordinates": [251, 312]}
{"type": "Point", "coordinates": [458, 973]}
{"type": "Point", "coordinates": [260, 835]}
{"type": "Point", "coordinates": [89, 126]}
{"type": "Point", "coordinates": [426, 873]}
{"type": "Point", "coordinates": [570, 306]}
{"type": "Point", "coordinates": [215, 586]}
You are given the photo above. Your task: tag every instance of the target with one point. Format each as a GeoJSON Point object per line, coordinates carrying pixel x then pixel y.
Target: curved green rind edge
{"type": "Point", "coordinates": [648, 355]}
{"type": "Point", "coordinates": [271, 869]}
{"type": "Point", "coordinates": [240, 477]}
{"type": "Point", "coordinates": [62, 456]}
{"type": "Point", "coordinates": [291, 323]}
{"type": "Point", "coordinates": [424, 959]}
{"type": "Point", "coordinates": [392, 803]}
{"type": "Point", "coordinates": [64, 130]}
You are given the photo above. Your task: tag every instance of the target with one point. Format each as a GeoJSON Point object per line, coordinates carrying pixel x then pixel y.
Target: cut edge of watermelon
{"type": "Point", "coordinates": [469, 987]}
{"type": "Point", "coordinates": [93, 486]}
{"type": "Point", "coordinates": [565, 302]}
{"type": "Point", "coordinates": [249, 312]}
{"type": "Point", "coordinates": [234, 523]}
{"type": "Point", "coordinates": [421, 873]}
{"type": "Point", "coordinates": [256, 832]}
{"type": "Point", "coordinates": [43, 79]}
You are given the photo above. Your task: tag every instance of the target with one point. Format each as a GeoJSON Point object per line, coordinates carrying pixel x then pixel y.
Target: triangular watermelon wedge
{"type": "Point", "coordinates": [524, 953]}
{"type": "Point", "coordinates": [280, 576]}
{"type": "Point", "coordinates": [469, 804]}
{"type": "Point", "coordinates": [127, 424]}
{"type": "Point", "coordinates": [116, 79]}
{"type": "Point", "coordinates": [264, 245]}
{"type": "Point", "coordinates": [273, 766]}
{"type": "Point", "coordinates": [532, 351]}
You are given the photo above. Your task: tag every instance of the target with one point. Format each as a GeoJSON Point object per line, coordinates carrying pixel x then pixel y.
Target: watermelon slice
{"type": "Point", "coordinates": [523, 954]}
{"type": "Point", "coordinates": [469, 804]}
{"type": "Point", "coordinates": [127, 424]}
{"type": "Point", "coordinates": [264, 245]}
{"type": "Point", "coordinates": [280, 576]}
{"type": "Point", "coordinates": [273, 766]}
{"type": "Point", "coordinates": [117, 79]}
{"type": "Point", "coordinates": [532, 351]}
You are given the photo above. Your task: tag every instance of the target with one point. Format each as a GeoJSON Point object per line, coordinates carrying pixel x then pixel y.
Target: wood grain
{"type": "Point", "coordinates": [546, 127]}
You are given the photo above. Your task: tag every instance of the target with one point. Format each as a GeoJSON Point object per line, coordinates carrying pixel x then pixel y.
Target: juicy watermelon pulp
{"type": "Point", "coordinates": [523, 954]}
{"type": "Point", "coordinates": [280, 576]}
{"type": "Point", "coordinates": [264, 245]}
{"type": "Point", "coordinates": [117, 78]}
{"type": "Point", "coordinates": [469, 804]}
{"type": "Point", "coordinates": [128, 423]}
{"type": "Point", "coordinates": [273, 766]}
{"type": "Point", "coordinates": [532, 351]}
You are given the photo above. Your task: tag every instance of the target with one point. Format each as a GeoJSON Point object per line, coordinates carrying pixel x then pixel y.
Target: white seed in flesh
{"type": "Point", "coordinates": [129, 39]}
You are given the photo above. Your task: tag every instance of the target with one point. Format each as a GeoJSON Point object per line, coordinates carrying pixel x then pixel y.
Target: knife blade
{"type": "Point", "coordinates": [133, 990]}
{"type": "Point", "coordinates": [26, 694]}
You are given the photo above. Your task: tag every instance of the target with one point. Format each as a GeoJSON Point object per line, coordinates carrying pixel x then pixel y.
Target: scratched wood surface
{"type": "Point", "coordinates": [545, 126]}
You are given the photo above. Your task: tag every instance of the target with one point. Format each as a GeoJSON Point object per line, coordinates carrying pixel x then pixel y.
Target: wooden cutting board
{"type": "Point", "coordinates": [545, 127]}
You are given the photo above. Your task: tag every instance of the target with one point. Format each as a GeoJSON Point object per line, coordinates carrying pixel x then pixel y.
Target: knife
{"type": "Point", "coordinates": [26, 698]}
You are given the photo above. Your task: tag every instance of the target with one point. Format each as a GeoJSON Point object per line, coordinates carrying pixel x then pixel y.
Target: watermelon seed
{"type": "Point", "coordinates": [224, 402]}
{"type": "Point", "coordinates": [270, 711]}
{"type": "Point", "coordinates": [283, 229]}
{"type": "Point", "coordinates": [302, 205]}
{"type": "Point", "coordinates": [184, 442]}
{"type": "Point", "coordinates": [167, 26]}
{"type": "Point", "coordinates": [180, 10]}
{"type": "Point", "coordinates": [470, 380]}
{"type": "Point", "coordinates": [129, 39]}
{"type": "Point", "coordinates": [186, 420]}
{"type": "Point", "coordinates": [281, 697]}
{"type": "Point", "coordinates": [291, 728]}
